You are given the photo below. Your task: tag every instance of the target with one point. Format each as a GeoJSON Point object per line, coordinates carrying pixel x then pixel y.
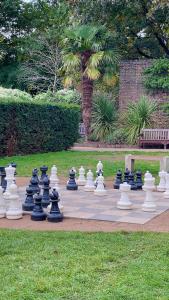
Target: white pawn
{"type": "Point", "coordinates": [89, 187]}
{"type": "Point", "coordinates": [166, 193]}
{"type": "Point", "coordinates": [99, 166]}
{"type": "Point", "coordinates": [148, 187]}
{"type": "Point", "coordinates": [14, 210]}
{"type": "Point", "coordinates": [2, 204]}
{"type": "Point", "coordinates": [81, 180]}
{"type": "Point", "coordinates": [162, 183]}
{"type": "Point", "coordinates": [100, 190]}
{"type": "Point", "coordinates": [124, 202]}
{"type": "Point", "coordinates": [54, 180]}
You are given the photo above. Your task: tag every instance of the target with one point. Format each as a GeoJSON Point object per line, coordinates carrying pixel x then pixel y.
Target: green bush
{"type": "Point", "coordinates": [156, 77]}
{"type": "Point", "coordinates": [29, 127]}
{"type": "Point", "coordinates": [15, 94]}
{"type": "Point", "coordinates": [65, 95]}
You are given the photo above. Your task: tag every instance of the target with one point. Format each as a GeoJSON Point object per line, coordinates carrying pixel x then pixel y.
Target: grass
{"type": "Point", "coordinates": [66, 159]}
{"type": "Point", "coordinates": [83, 266]}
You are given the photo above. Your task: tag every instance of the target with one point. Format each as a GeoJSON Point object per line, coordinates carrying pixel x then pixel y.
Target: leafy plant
{"type": "Point", "coordinates": [103, 118]}
{"type": "Point", "coordinates": [66, 95]}
{"type": "Point", "coordinates": [139, 115]}
{"type": "Point", "coordinates": [15, 94]}
{"type": "Point", "coordinates": [157, 76]}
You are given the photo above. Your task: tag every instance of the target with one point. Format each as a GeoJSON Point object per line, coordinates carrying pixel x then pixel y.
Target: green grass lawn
{"type": "Point", "coordinates": [66, 159]}
{"type": "Point", "coordinates": [83, 266]}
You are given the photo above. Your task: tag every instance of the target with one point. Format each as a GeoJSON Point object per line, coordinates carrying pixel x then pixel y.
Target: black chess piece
{"type": "Point", "coordinates": [71, 184]}
{"type": "Point", "coordinates": [118, 180]}
{"type": "Point", "coordinates": [28, 205]}
{"type": "Point", "coordinates": [3, 180]}
{"type": "Point", "coordinates": [44, 170]}
{"type": "Point", "coordinates": [55, 215]}
{"type": "Point", "coordinates": [126, 175]}
{"type": "Point", "coordinates": [38, 214]}
{"type": "Point", "coordinates": [34, 182]}
{"type": "Point", "coordinates": [131, 182]}
{"type": "Point", "coordinates": [139, 181]}
{"type": "Point", "coordinates": [46, 188]}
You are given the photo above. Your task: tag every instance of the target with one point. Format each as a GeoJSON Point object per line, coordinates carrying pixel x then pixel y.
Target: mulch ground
{"type": "Point", "coordinates": [158, 224]}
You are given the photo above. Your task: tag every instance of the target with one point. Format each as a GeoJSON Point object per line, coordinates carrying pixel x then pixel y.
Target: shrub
{"type": "Point", "coordinates": [14, 94]}
{"type": "Point", "coordinates": [65, 95]}
{"type": "Point", "coordinates": [156, 77]}
{"type": "Point", "coordinates": [118, 136]}
{"type": "Point", "coordinates": [103, 118]}
{"type": "Point", "coordinates": [29, 127]}
{"type": "Point", "coordinates": [139, 115]}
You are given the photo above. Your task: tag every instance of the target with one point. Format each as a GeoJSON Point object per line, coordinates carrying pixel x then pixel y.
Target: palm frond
{"type": "Point", "coordinates": [95, 59]}
{"type": "Point", "coordinates": [92, 73]}
{"type": "Point", "coordinates": [70, 61]}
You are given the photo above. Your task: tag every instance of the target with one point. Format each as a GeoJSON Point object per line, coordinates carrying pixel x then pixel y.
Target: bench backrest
{"type": "Point", "coordinates": [155, 134]}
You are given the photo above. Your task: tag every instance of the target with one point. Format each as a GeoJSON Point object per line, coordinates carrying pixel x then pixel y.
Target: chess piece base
{"type": "Point", "coordinates": [55, 218]}
{"type": "Point", "coordinates": [122, 205]}
{"type": "Point", "coordinates": [72, 188]}
{"type": "Point", "coordinates": [160, 189]}
{"type": "Point", "coordinates": [81, 182]}
{"type": "Point", "coordinates": [116, 186]}
{"type": "Point", "coordinates": [89, 188]}
{"type": "Point", "coordinates": [45, 203]}
{"type": "Point", "coordinates": [100, 193]}
{"type": "Point", "coordinates": [38, 216]}
{"type": "Point", "coordinates": [14, 216]}
{"type": "Point", "coordinates": [149, 208]}
{"type": "Point", "coordinates": [2, 214]}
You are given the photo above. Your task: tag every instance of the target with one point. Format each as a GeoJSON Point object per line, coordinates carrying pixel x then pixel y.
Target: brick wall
{"type": "Point", "coordinates": [131, 86]}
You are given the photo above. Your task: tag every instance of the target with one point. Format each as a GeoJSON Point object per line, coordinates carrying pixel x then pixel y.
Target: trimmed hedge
{"type": "Point", "coordinates": [28, 127]}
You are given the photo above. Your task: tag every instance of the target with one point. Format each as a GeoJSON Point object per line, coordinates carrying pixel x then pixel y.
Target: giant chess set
{"type": "Point", "coordinates": [131, 199]}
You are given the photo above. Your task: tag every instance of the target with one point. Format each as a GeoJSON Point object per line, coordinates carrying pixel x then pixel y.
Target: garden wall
{"type": "Point", "coordinates": [27, 127]}
{"type": "Point", "coordinates": [131, 86]}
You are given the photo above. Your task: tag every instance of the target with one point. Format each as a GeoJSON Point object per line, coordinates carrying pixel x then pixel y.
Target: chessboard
{"type": "Point", "coordinates": [86, 205]}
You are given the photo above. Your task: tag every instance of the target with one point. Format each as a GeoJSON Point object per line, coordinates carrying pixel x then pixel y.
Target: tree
{"type": "Point", "coordinates": [90, 52]}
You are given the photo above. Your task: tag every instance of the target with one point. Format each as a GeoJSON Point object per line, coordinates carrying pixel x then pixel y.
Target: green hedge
{"type": "Point", "coordinates": [27, 127]}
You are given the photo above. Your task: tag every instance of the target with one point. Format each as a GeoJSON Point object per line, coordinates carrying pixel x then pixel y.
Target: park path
{"type": "Point", "coordinates": [102, 149]}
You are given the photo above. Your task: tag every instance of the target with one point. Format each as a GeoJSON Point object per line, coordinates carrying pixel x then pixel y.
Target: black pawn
{"type": "Point", "coordinates": [72, 185]}
{"type": "Point", "coordinates": [46, 188]}
{"type": "Point", "coordinates": [28, 205]}
{"type": "Point", "coordinates": [38, 214]}
{"type": "Point", "coordinates": [43, 174]}
{"type": "Point", "coordinates": [131, 182]}
{"type": "Point", "coordinates": [34, 182]}
{"type": "Point", "coordinates": [3, 180]}
{"type": "Point", "coordinates": [139, 181]}
{"type": "Point", "coordinates": [118, 180]}
{"type": "Point", "coordinates": [126, 175]}
{"type": "Point", "coordinates": [55, 215]}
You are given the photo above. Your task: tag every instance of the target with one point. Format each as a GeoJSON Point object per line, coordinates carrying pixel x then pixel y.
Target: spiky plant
{"type": "Point", "coordinates": [139, 115]}
{"type": "Point", "coordinates": [104, 117]}
{"type": "Point", "coordinates": [89, 51]}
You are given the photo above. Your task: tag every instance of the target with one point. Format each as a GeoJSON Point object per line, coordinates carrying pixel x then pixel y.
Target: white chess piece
{"type": "Point", "coordinates": [10, 178]}
{"type": "Point", "coordinates": [162, 184]}
{"type": "Point", "coordinates": [124, 202]}
{"type": "Point", "coordinates": [54, 180]}
{"type": "Point", "coordinates": [89, 187]}
{"type": "Point", "coordinates": [99, 166]}
{"type": "Point", "coordinates": [14, 210]}
{"type": "Point", "coordinates": [100, 190]}
{"type": "Point", "coordinates": [81, 180]}
{"type": "Point", "coordinates": [166, 193]}
{"type": "Point", "coordinates": [149, 201]}
{"type": "Point", "coordinates": [2, 204]}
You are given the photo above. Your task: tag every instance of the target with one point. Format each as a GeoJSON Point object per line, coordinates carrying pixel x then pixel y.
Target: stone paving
{"type": "Point", "coordinates": [85, 205]}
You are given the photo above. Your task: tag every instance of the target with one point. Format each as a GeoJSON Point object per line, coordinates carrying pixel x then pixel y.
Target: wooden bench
{"type": "Point", "coordinates": [130, 159]}
{"type": "Point", "coordinates": [154, 137]}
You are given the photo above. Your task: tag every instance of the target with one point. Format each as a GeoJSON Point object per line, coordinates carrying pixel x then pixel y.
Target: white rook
{"type": "Point", "coordinates": [162, 183]}
{"type": "Point", "coordinates": [124, 202]}
{"type": "Point", "coordinates": [81, 179]}
{"type": "Point", "coordinates": [149, 201]}
{"type": "Point", "coordinates": [89, 187]}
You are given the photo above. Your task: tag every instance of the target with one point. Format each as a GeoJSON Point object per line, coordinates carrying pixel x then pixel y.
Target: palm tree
{"type": "Point", "coordinates": [89, 52]}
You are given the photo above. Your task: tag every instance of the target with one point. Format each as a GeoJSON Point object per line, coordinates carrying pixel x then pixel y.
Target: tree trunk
{"type": "Point", "coordinates": [87, 93]}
